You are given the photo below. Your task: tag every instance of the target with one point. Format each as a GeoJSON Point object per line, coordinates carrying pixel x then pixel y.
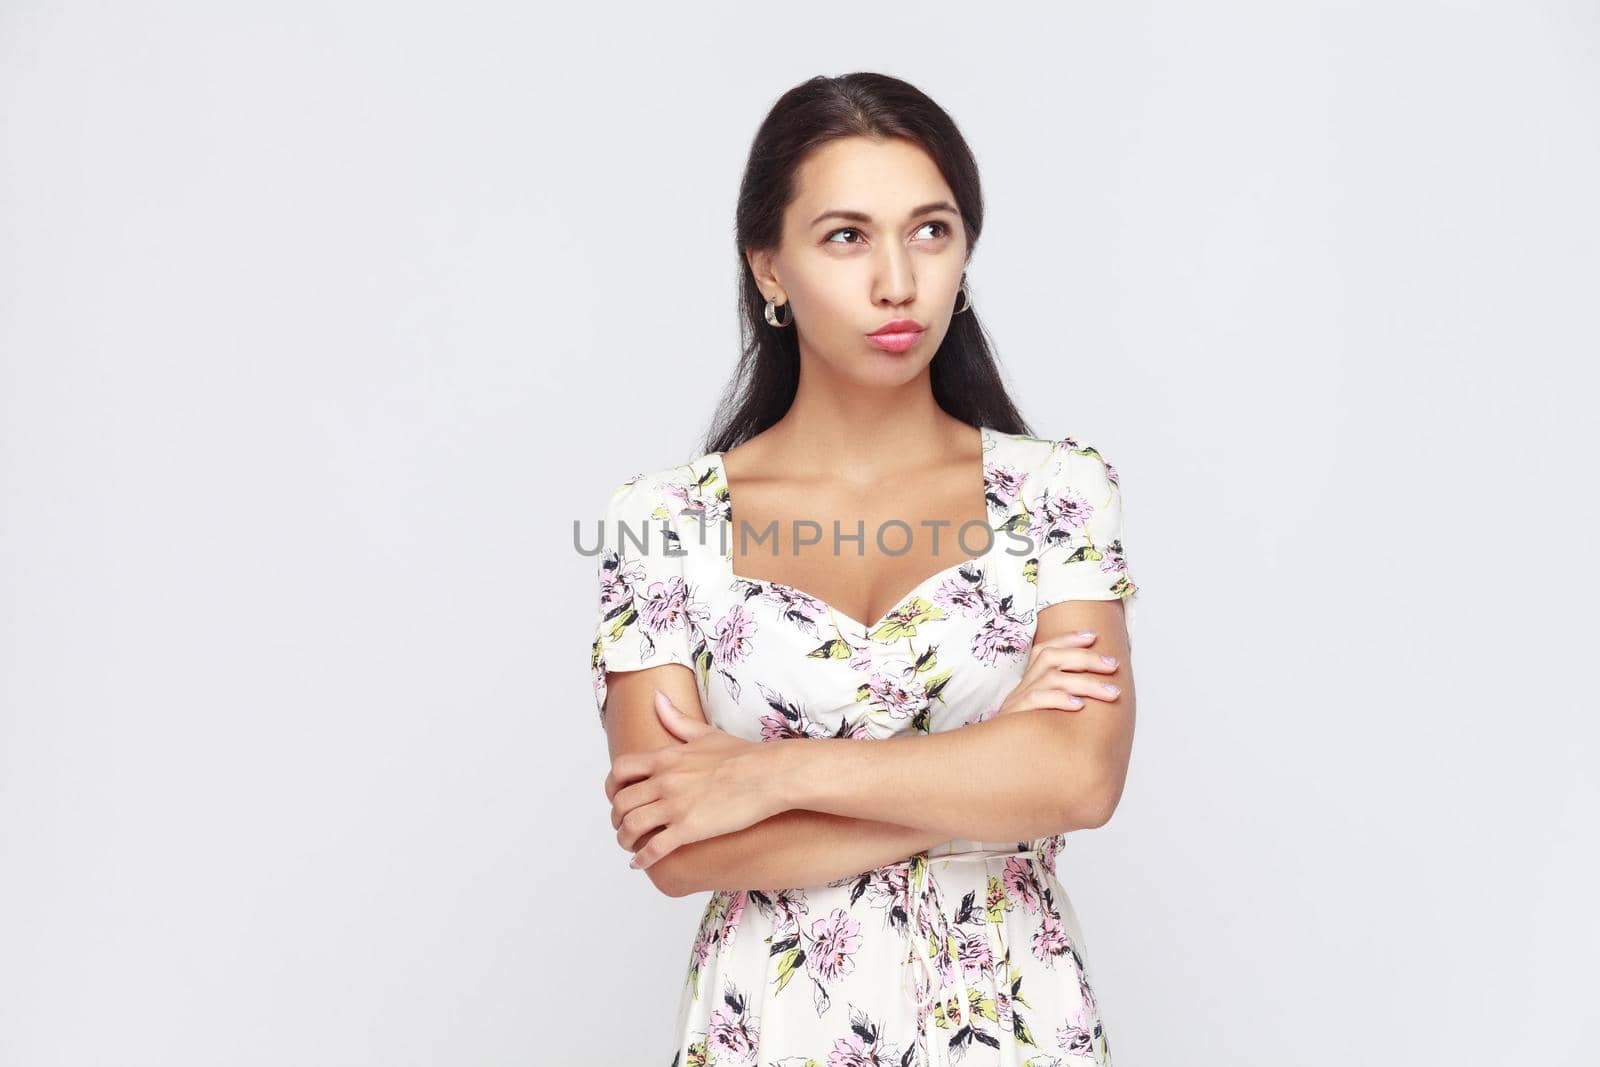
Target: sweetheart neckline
{"type": "Point", "coordinates": [845, 615]}
{"type": "Point", "coordinates": [985, 438]}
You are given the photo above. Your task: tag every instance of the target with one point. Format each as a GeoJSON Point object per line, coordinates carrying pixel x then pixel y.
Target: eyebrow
{"type": "Point", "coordinates": [862, 216]}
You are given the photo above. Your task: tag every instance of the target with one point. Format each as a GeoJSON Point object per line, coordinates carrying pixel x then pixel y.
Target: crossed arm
{"type": "Point", "coordinates": [855, 806]}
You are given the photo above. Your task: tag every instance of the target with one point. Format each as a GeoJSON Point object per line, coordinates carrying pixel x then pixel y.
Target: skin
{"type": "Point", "coordinates": [865, 441]}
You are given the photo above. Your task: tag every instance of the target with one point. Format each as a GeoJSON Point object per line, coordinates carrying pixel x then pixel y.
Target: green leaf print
{"type": "Point", "coordinates": [833, 648]}
{"type": "Point", "coordinates": [903, 621]}
{"type": "Point", "coordinates": [1019, 1026]}
{"type": "Point", "coordinates": [787, 964]}
{"type": "Point", "coordinates": [1087, 450]}
{"type": "Point", "coordinates": [1016, 984]}
{"type": "Point", "coordinates": [1083, 553]}
{"type": "Point", "coordinates": [622, 622]}
{"type": "Point", "coordinates": [984, 1005]}
{"type": "Point", "coordinates": [996, 897]}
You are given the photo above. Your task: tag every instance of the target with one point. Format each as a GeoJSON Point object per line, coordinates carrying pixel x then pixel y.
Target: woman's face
{"type": "Point", "coordinates": [873, 235]}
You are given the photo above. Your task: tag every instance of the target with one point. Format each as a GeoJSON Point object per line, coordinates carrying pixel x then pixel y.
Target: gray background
{"type": "Point", "coordinates": [321, 323]}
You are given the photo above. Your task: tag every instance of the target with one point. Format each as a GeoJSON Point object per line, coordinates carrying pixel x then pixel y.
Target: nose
{"type": "Point", "coordinates": [896, 280]}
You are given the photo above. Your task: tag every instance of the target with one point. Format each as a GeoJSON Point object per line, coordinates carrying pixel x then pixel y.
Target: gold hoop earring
{"type": "Point", "coordinates": [967, 296]}
{"type": "Point", "coordinates": [772, 314]}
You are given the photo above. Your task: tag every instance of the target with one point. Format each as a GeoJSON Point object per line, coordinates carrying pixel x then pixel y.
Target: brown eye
{"type": "Point", "coordinates": [944, 230]}
{"type": "Point", "coordinates": [835, 233]}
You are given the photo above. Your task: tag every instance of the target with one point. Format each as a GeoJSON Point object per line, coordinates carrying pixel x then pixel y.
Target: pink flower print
{"type": "Point", "coordinates": [861, 658]}
{"type": "Point", "coordinates": [774, 727]}
{"type": "Point", "coordinates": [786, 718]}
{"type": "Point", "coordinates": [798, 606]}
{"type": "Point", "coordinates": [860, 730]}
{"type": "Point", "coordinates": [983, 716]}
{"type": "Point", "coordinates": [854, 1051]}
{"type": "Point", "coordinates": [967, 596]}
{"type": "Point", "coordinates": [1021, 884]}
{"type": "Point", "coordinates": [1076, 1035]}
{"type": "Point", "coordinates": [1058, 515]}
{"type": "Point", "coordinates": [733, 636]}
{"type": "Point", "coordinates": [666, 606]}
{"type": "Point", "coordinates": [1002, 485]}
{"type": "Point", "coordinates": [1002, 1007]}
{"type": "Point", "coordinates": [977, 958]}
{"type": "Point", "coordinates": [890, 888]}
{"type": "Point", "coordinates": [996, 897]}
{"type": "Point", "coordinates": [791, 903]}
{"type": "Point", "coordinates": [702, 945]}
{"type": "Point", "coordinates": [863, 1047]}
{"type": "Point", "coordinates": [944, 964]}
{"type": "Point", "coordinates": [682, 497]}
{"type": "Point", "coordinates": [1050, 940]}
{"type": "Point", "coordinates": [702, 501]}
{"type": "Point", "coordinates": [1051, 849]}
{"type": "Point", "coordinates": [1112, 560]}
{"type": "Point", "coordinates": [731, 917]}
{"type": "Point", "coordinates": [832, 953]}
{"type": "Point", "coordinates": [900, 700]}
{"type": "Point", "coordinates": [1067, 444]}
{"type": "Point", "coordinates": [617, 582]}
{"type": "Point", "coordinates": [1091, 1006]}
{"type": "Point", "coordinates": [1001, 638]}
{"type": "Point", "coordinates": [730, 1033]}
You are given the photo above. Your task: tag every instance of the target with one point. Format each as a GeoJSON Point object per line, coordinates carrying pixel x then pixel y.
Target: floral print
{"type": "Point", "coordinates": [967, 952]}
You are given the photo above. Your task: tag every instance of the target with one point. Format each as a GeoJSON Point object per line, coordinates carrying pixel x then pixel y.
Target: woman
{"type": "Point", "coordinates": [895, 902]}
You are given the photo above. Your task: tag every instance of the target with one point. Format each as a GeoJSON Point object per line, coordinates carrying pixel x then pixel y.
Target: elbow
{"type": "Point", "coordinates": [1099, 801]}
{"type": "Point", "coordinates": [1085, 773]}
{"type": "Point", "coordinates": [1086, 756]}
{"type": "Point", "coordinates": [1095, 812]}
{"type": "Point", "coordinates": [668, 875]}
{"type": "Point", "coordinates": [1084, 807]}
{"type": "Point", "coordinates": [664, 877]}
{"type": "Point", "coordinates": [1086, 801]}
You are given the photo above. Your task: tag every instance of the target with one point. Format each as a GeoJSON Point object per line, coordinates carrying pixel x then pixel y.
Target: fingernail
{"type": "Point", "coordinates": [1085, 633]}
{"type": "Point", "coordinates": [633, 861]}
{"type": "Point", "coordinates": [1108, 687]}
{"type": "Point", "coordinates": [1109, 660]}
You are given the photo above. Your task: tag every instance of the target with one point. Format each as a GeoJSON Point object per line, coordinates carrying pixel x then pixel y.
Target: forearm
{"type": "Point", "coordinates": [1011, 778]}
{"type": "Point", "coordinates": [793, 848]}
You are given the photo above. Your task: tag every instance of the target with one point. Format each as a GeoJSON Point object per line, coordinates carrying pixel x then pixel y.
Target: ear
{"type": "Point", "coordinates": [764, 272]}
{"type": "Point", "coordinates": [677, 723]}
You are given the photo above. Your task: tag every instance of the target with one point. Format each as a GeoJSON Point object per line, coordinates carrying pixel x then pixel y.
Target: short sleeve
{"type": "Point", "coordinates": [1078, 526]}
{"type": "Point", "coordinates": [646, 613]}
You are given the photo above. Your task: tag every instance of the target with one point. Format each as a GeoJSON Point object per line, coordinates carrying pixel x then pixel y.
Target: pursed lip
{"type": "Point", "coordinates": [898, 326]}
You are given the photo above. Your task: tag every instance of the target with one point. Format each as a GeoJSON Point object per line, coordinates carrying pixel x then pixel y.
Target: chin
{"type": "Point", "coordinates": [885, 370]}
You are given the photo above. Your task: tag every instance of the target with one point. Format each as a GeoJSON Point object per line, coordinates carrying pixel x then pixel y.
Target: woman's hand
{"type": "Point", "coordinates": [1058, 671]}
{"type": "Point", "coordinates": [713, 784]}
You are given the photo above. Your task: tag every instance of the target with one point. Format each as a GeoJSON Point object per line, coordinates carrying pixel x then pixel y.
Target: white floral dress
{"type": "Point", "coordinates": [968, 952]}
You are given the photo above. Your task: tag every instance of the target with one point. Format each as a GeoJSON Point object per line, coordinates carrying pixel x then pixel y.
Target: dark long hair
{"type": "Point", "coordinates": [966, 381]}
